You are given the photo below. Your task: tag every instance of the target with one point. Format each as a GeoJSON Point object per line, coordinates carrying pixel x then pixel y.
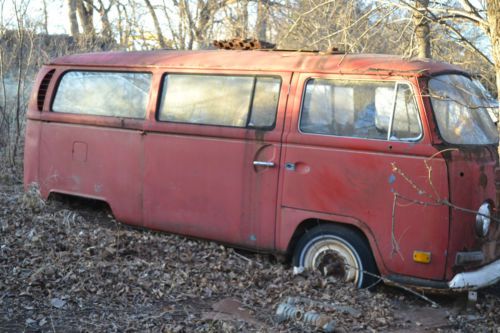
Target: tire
{"type": "Point", "coordinates": [337, 251]}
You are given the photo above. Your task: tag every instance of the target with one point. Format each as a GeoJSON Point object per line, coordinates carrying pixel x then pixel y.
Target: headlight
{"type": "Point", "coordinates": [483, 220]}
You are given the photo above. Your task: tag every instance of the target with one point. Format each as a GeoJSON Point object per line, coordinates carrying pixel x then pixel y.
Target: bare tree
{"type": "Point", "coordinates": [16, 64]}
{"type": "Point", "coordinates": [103, 11]}
{"type": "Point", "coordinates": [422, 29]}
{"type": "Point", "coordinates": [85, 10]}
{"type": "Point", "coordinates": [122, 25]}
{"type": "Point", "coordinates": [156, 23]}
{"type": "Point", "coordinates": [493, 29]}
{"type": "Point", "coordinates": [241, 19]}
{"type": "Point", "coordinates": [349, 25]}
{"type": "Point", "coordinates": [191, 24]}
{"type": "Point", "coordinates": [45, 17]}
{"type": "Point", "coordinates": [459, 18]}
{"type": "Point", "coordinates": [262, 19]}
{"type": "Point", "coordinates": [73, 21]}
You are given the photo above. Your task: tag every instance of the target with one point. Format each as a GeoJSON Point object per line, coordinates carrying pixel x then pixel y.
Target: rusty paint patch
{"type": "Point", "coordinates": [483, 180]}
{"type": "Point", "coordinates": [79, 151]}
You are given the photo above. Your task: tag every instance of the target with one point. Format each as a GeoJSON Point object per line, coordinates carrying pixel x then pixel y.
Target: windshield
{"type": "Point", "coordinates": [461, 109]}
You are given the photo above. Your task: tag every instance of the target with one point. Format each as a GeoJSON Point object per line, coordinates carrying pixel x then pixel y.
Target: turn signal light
{"type": "Point", "coordinates": [422, 257]}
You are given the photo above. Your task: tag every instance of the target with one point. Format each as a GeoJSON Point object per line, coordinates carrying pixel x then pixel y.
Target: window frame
{"type": "Point", "coordinates": [420, 125]}
{"type": "Point", "coordinates": [250, 106]}
{"type": "Point", "coordinates": [64, 73]}
{"type": "Point", "coordinates": [388, 139]}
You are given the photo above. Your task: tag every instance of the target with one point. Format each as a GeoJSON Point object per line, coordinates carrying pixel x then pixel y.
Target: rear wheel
{"type": "Point", "coordinates": [337, 251]}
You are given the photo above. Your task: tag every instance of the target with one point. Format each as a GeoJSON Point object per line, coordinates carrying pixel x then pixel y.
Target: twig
{"type": "Point", "coordinates": [419, 202]}
{"type": "Point", "coordinates": [247, 259]}
{"type": "Point", "coordinates": [301, 16]}
{"type": "Point", "coordinates": [465, 210]}
{"type": "Point", "coordinates": [154, 317]}
{"type": "Point", "coordinates": [326, 305]}
{"type": "Point", "coordinates": [429, 169]}
{"type": "Point", "coordinates": [352, 25]}
{"type": "Point", "coordinates": [52, 324]}
{"type": "Point", "coordinates": [342, 59]}
{"type": "Point", "coordinates": [409, 181]}
{"type": "Point", "coordinates": [394, 242]}
{"type": "Point", "coordinates": [425, 298]}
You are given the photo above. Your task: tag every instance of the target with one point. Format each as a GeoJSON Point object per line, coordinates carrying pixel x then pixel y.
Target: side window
{"type": "Point", "coordinates": [236, 101]}
{"type": "Point", "coordinates": [359, 109]}
{"type": "Point", "coordinates": [406, 124]}
{"type": "Point", "coordinates": [103, 93]}
{"type": "Point", "coordinates": [265, 102]}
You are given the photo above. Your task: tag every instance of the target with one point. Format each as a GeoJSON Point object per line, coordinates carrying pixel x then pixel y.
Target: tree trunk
{"type": "Point", "coordinates": [121, 33]}
{"type": "Point", "coordinates": [494, 25]}
{"type": "Point", "coordinates": [156, 23]}
{"type": "Point", "coordinates": [107, 32]}
{"type": "Point", "coordinates": [422, 29]}
{"type": "Point", "coordinates": [73, 21]}
{"type": "Point", "coordinates": [45, 18]}
{"type": "Point", "coordinates": [85, 11]}
{"type": "Point", "coordinates": [241, 27]}
{"type": "Point", "coordinates": [206, 11]}
{"type": "Point", "coordinates": [262, 17]}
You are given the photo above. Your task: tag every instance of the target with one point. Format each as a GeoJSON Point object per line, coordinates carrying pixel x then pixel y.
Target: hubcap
{"type": "Point", "coordinates": [333, 258]}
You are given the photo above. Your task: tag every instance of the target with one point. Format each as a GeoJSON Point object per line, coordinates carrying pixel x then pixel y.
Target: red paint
{"type": "Point", "coordinates": [199, 180]}
{"type": "Point", "coordinates": [473, 168]}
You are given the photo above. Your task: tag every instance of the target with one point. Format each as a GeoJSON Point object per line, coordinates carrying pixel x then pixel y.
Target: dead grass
{"type": "Point", "coordinates": [72, 267]}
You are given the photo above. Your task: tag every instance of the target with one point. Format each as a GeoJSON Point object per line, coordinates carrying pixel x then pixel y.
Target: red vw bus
{"type": "Point", "coordinates": [350, 164]}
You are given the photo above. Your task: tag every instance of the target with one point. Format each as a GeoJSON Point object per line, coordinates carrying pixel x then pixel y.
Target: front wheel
{"type": "Point", "coordinates": [337, 251]}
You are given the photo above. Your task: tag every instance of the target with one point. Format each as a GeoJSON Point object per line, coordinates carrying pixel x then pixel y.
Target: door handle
{"type": "Point", "coordinates": [264, 164]}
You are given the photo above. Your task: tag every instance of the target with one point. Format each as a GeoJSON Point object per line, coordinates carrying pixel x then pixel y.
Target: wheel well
{"type": "Point", "coordinates": [308, 224]}
{"type": "Point", "coordinates": [75, 201]}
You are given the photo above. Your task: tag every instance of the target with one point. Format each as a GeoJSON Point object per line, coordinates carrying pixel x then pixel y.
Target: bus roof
{"type": "Point", "coordinates": [264, 60]}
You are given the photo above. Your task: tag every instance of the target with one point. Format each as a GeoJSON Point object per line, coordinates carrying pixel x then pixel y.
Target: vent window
{"type": "Point", "coordinates": [42, 90]}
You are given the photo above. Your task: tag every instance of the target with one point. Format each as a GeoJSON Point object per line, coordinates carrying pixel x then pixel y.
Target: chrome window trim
{"type": "Point", "coordinates": [420, 125]}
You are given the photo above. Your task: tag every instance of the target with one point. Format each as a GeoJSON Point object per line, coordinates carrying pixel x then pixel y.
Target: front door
{"type": "Point", "coordinates": [211, 161]}
{"type": "Point", "coordinates": [341, 161]}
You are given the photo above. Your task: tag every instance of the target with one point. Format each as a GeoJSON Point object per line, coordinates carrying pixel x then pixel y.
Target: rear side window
{"type": "Point", "coordinates": [360, 109]}
{"type": "Point", "coordinates": [235, 101]}
{"type": "Point", "coordinates": [103, 93]}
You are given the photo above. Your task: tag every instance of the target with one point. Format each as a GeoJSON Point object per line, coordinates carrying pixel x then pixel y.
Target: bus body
{"type": "Point", "coordinates": [351, 164]}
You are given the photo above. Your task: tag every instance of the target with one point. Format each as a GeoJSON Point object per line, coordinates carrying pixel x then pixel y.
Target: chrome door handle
{"type": "Point", "coordinates": [263, 164]}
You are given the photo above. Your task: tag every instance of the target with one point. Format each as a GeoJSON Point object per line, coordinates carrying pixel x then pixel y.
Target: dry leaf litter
{"type": "Point", "coordinates": [69, 266]}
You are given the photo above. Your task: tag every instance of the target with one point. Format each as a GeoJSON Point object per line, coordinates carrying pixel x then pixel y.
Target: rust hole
{"type": "Point", "coordinates": [332, 264]}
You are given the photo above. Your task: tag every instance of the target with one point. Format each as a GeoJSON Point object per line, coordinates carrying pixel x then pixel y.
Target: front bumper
{"type": "Point", "coordinates": [483, 277]}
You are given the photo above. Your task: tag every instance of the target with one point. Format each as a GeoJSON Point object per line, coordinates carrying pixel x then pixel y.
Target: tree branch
{"type": "Point", "coordinates": [431, 16]}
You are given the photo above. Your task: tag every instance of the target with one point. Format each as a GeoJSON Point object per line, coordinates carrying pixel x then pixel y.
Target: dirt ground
{"type": "Point", "coordinates": [68, 266]}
